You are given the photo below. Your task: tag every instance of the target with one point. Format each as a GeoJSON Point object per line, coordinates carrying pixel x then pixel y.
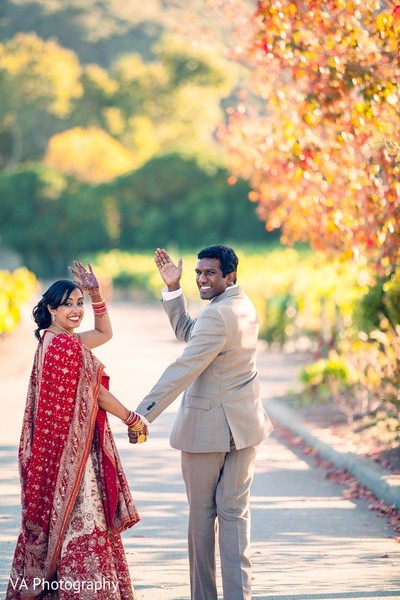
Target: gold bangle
{"type": "Point", "coordinates": [138, 426]}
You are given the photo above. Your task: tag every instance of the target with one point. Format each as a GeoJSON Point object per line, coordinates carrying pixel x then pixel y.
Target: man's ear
{"type": "Point", "coordinates": [231, 278]}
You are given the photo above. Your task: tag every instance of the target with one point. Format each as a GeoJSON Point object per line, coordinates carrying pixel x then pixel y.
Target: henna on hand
{"type": "Point", "coordinates": [86, 279]}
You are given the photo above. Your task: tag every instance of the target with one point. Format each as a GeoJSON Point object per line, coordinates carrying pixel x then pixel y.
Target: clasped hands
{"type": "Point", "coordinates": [138, 430]}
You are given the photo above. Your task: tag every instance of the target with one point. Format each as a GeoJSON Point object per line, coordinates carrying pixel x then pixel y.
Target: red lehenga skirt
{"type": "Point", "coordinates": [92, 563]}
{"type": "Point", "coordinates": [75, 497]}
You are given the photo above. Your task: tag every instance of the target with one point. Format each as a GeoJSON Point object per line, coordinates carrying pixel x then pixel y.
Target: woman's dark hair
{"type": "Point", "coordinates": [57, 294]}
{"type": "Point", "coordinates": [226, 256]}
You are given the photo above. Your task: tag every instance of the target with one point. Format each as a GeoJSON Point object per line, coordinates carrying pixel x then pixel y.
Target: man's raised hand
{"type": "Point", "coordinates": [170, 273]}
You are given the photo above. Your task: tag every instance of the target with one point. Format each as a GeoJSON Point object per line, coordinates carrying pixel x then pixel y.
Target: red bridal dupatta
{"type": "Point", "coordinates": [72, 483]}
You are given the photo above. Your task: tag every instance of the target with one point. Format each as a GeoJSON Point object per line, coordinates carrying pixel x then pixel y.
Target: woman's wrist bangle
{"type": "Point", "coordinates": [99, 308]}
{"type": "Point", "coordinates": [131, 419]}
{"type": "Point", "coordinates": [136, 427]}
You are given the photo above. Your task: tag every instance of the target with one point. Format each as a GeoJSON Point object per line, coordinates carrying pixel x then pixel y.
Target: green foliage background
{"type": "Point", "coordinates": [117, 67]}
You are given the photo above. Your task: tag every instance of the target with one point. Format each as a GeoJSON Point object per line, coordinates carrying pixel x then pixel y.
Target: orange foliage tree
{"type": "Point", "coordinates": [318, 135]}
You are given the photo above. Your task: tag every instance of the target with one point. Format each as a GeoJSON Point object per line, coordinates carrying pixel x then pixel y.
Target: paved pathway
{"type": "Point", "coordinates": [308, 543]}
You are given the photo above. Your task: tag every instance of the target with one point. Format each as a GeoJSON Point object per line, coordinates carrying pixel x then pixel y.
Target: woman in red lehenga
{"type": "Point", "coordinates": [75, 497]}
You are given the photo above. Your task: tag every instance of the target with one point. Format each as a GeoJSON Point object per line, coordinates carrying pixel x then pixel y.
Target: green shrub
{"type": "Point", "coordinates": [391, 299]}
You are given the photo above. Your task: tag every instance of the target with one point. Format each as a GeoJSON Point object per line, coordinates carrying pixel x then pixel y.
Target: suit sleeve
{"type": "Point", "coordinates": [181, 321]}
{"type": "Point", "coordinates": [207, 340]}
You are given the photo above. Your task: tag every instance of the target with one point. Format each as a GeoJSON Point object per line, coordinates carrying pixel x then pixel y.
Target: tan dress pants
{"type": "Point", "coordinates": [218, 490]}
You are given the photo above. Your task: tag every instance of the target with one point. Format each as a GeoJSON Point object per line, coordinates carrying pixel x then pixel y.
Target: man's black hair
{"type": "Point", "coordinates": [227, 257]}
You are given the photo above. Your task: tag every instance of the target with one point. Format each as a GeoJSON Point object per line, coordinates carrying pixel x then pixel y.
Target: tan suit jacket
{"type": "Point", "coordinates": [217, 371]}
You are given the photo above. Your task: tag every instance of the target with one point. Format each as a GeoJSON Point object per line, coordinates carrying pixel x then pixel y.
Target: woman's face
{"type": "Point", "coordinates": [70, 314]}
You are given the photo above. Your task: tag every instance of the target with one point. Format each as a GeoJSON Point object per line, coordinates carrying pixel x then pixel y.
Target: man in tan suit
{"type": "Point", "coordinates": [221, 420]}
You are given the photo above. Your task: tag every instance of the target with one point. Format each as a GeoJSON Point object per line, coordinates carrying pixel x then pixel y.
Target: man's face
{"type": "Point", "coordinates": [209, 278]}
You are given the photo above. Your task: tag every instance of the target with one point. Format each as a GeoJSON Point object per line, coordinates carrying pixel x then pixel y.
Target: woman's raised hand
{"type": "Point", "coordinates": [85, 278]}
